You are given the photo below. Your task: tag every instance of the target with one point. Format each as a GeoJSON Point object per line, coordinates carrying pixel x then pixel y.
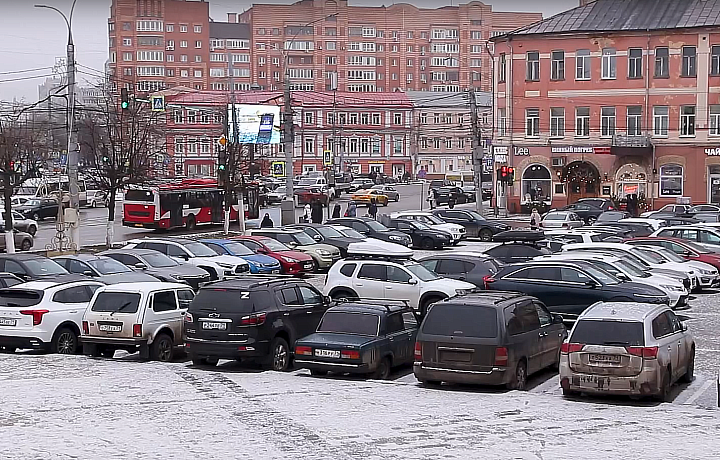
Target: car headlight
{"type": "Point", "coordinates": [645, 296]}
{"type": "Point", "coordinates": [323, 252]}
{"type": "Point", "coordinates": [175, 276]}
{"type": "Point", "coordinates": [289, 260]}
{"type": "Point", "coordinates": [224, 265]}
{"type": "Point", "coordinates": [396, 238]}
{"type": "Point", "coordinates": [706, 272]}
{"type": "Point", "coordinates": [462, 291]}
{"type": "Point", "coordinates": [253, 263]}
{"type": "Point", "coordinates": [670, 287]}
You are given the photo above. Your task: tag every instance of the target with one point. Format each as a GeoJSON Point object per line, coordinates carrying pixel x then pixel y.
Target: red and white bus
{"type": "Point", "coordinates": [185, 203]}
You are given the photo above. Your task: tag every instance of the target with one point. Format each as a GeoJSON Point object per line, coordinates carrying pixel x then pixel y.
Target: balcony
{"type": "Point", "coordinates": [624, 145]}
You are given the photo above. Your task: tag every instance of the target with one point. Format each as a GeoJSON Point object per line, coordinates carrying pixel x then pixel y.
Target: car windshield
{"type": "Point", "coordinates": [199, 249]}
{"type": "Point", "coordinates": [376, 226]}
{"type": "Point", "coordinates": [274, 245]}
{"type": "Point", "coordinates": [26, 190]}
{"type": "Point", "coordinates": [599, 332]}
{"type": "Point", "coordinates": [329, 232]}
{"type": "Point", "coordinates": [555, 216]}
{"type": "Point", "coordinates": [32, 203]}
{"type": "Point", "coordinates": [116, 302]}
{"type": "Point", "coordinates": [303, 238]}
{"type": "Point", "coordinates": [44, 267]}
{"type": "Point", "coordinates": [434, 220]}
{"type": "Point", "coordinates": [159, 260]}
{"type": "Point", "coordinates": [461, 321]}
{"type": "Point", "coordinates": [352, 233]}
{"type": "Point", "coordinates": [420, 225]}
{"type": "Point", "coordinates": [344, 322]}
{"type": "Point", "coordinates": [108, 266]}
{"type": "Point", "coordinates": [668, 254]}
{"type": "Point", "coordinates": [696, 247]}
{"type": "Point", "coordinates": [632, 269]}
{"type": "Point", "coordinates": [601, 275]}
{"type": "Point", "coordinates": [421, 272]}
{"type": "Point", "coordinates": [648, 256]}
{"type": "Point", "coordinates": [238, 249]}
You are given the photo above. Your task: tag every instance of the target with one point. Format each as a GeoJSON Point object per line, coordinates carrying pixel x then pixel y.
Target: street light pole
{"type": "Point", "coordinates": [72, 168]}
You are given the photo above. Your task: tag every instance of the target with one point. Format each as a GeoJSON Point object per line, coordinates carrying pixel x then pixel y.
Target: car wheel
{"type": "Point", "coordinates": [162, 348]}
{"type": "Point", "coordinates": [383, 370]}
{"type": "Point", "coordinates": [485, 235]}
{"type": "Point", "coordinates": [690, 373]}
{"type": "Point", "coordinates": [94, 204]}
{"type": "Point", "coordinates": [279, 355]}
{"type": "Point", "coordinates": [316, 266]}
{"type": "Point", "coordinates": [65, 342]}
{"type": "Point", "coordinates": [397, 198]}
{"type": "Point", "coordinates": [591, 220]}
{"type": "Point", "coordinates": [343, 296]}
{"type": "Point", "coordinates": [317, 373]}
{"type": "Point", "coordinates": [190, 222]}
{"type": "Point", "coordinates": [427, 302]}
{"type": "Point", "coordinates": [519, 379]}
{"type": "Point", "coordinates": [430, 383]}
{"type": "Point", "coordinates": [25, 245]}
{"type": "Point", "coordinates": [664, 390]}
{"type": "Point", "coordinates": [427, 243]}
{"type": "Point", "coordinates": [36, 217]}
{"type": "Point", "coordinates": [32, 230]}
{"type": "Point", "coordinates": [199, 362]}
{"type": "Point", "coordinates": [570, 393]}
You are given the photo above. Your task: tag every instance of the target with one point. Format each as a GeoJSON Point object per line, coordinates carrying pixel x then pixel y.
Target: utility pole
{"type": "Point", "coordinates": [231, 160]}
{"type": "Point", "coordinates": [476, 151]}
{"type": "Point", "coordinates": [288, 205]}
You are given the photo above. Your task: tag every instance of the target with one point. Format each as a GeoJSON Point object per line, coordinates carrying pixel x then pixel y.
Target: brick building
{"type": "Point", "coordinates": [611, 99]}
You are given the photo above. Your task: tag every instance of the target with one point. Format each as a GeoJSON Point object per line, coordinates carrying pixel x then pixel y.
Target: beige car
{"type": "Point", "coordinates": [145, 317]}
{"type": "Point", "coordinates": [631, 349]}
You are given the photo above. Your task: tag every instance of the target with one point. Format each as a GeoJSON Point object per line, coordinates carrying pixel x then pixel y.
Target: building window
{"type": "Point", "coordinates": [635, 62]}
{"type": "Point", "coordinates": [715, 120]}
{"type": "Point", "coordinates": [127, 41]}
{"type": "Point", "coordinates": [376, 146]}
{"type": "Point", "coordinates": [308, 118]}
{"type": "Point", "coordinates": [661, 120]}
{"type": "Point", "coordinates": [436, 143]}
{"type": "Point", "coordinates": [502, 122]}
{"type": "Point", "coordinates": [609, 63]}
{"type": "Point", "coordinates": [376, 118]}
{"type": "Point", "coordinates": [557, 70]}
{"type": "Point", "coordinates": [557, 122]}
{"type": "Point", "coordinates": [198, 44]}
{"type": "Point", "coordinates": [532, 122]}
{"type": "Point", "coordinates": [533, 66]}
{"type": "Point", "coordinates": [183, 27]}
{"type": "Point", "coordinates": [582, 122]}
{"type": "Point", "coordinates": [634, 120]}
{"type": "Point", "coordinates": [671, 180]}
{"type": "Point", "coordinates": [448, 143]}
{"type": "Point", "coordinates": [689, 59]}
{"type": "Point", "coordinates": [607, 121]}
{"type": "Point", "coordinates": [198, 29]}
{"type": "Point", "coordinates": [423, 118]}
{"type": "Point", "coordinates": [536, 185]}
{"type": "Point", "coordinates": [501, 69]}
{"type": "Point", "coordinates": [582, 65]}
{"type": "Point", "coordinates": [183, 43]}
{"type": "Point", "coordinates": [423, 143]}
{"type": "Point", "coordinates": [309, 145]}
{"type": "Point", "coordinates": [398, 146]}
{"type": "Point", "coordinates": [715, 60]}
{"type": "Point", "coordinates": [662, 62]}
{"type": "Point", "coordinates": [397, 118]}
{"type": "Point", "coordinates": [687, 120]}
{"type": "Point", "coordinates": [170, 28]}
{"type": "Point", "coordinates": [461, 143]}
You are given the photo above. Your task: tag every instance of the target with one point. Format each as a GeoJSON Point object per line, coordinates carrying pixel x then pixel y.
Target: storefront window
{"type": "Point", "coordinates": [536, 185]}
{"type": "Point", "coordinates": [671, 180]}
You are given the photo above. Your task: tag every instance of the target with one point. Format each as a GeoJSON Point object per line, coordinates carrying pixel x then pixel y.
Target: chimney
{"type": "Point", "coordinates": [232, 18]}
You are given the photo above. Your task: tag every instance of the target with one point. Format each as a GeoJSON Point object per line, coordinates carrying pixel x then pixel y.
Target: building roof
{"type": "Point", "coordinates": [629, 15]}
{"type": "Point", "coordinates": [229, 30]}
{"type": "Point", "coordinates": [450, 99]}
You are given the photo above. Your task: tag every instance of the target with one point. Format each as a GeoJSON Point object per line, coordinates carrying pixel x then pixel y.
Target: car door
{"type": "Point", "coordinates": [680, 341]}
{"type": "Point", "coordinates": [73, 301]}
{"type": "Point", "coordinates": [295, 314]}
{"type": "Point", "coordinates": [410, 323]}
{"type": "Point", "coordinates": [523, 334]}
{"type": "Point", "coordinates": [408, 230]}
{"type": "Point", "coordinates": [662, 331]}
{"type": "Point", "coordinates": [577, 293]}
{"type": "Point", "coordinates": [315, 308]}
{"type": "Point", "coordinates": [395, 337]}
{"type": "Point", "coordinates": [550, 336]}
{"type": "Point", "coordinates": [360, 227]}
{"type": "Point", "coordinates": [15, 268]}
{"type": "Point", "coordinates": [370, 280]}
{"type": "Point", "coordinates": [540, 282]}
{"type": "Point", "coordinates": [163, 310]}
{"type": "Point", "coordinates": [401, 285]}
{"type": "Point", "coordinates": [453, 268]}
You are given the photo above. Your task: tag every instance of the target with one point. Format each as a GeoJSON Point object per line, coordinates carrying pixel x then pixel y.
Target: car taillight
{"type": "Point", "coordinates": [37, 315]}
{"type": "Point", "coordinates": [487, 279]}
{"type": "Point", "coordinates": [137, 330]}
{"type": "Point", "coordinates": [350, 354]}
{"type": "Point", "coordinates": [571, 347]}
{"type": "Point", "coordinates": [305, 351]}
{"type": "Point", "coordinates": [253, 320]}
{"type": "Point", "coordinates": [86, 328]}
{"type": "Point", "coordinates": [418, 351]}
{"type": "Point", "coordinates": [501, 356]}
{"type": "Point", "coordinates": [643, 352]}
{"type": "Point", "coordinates": [189, 318]}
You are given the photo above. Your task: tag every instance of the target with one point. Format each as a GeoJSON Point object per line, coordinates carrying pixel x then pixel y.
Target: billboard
{"type": "Point", "coordinates": [256, 124]}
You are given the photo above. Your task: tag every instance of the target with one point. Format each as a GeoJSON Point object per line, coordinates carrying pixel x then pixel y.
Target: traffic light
{"type": "Point", "coordinates": [124, 99]}
{"type": "Point", "coordinates": [511, 175]}
{"type": "Point", "coordinates": [222, 161]}
{"type": "Point", "coordinates": [503, 174]}
{"type": "Point", "coordinates": [105, 158]}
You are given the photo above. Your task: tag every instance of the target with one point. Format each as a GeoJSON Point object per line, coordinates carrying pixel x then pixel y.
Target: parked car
{"type": "Point", "coordinates": [397, 278]}
{"type": "Point", "coordinates": [634, 229]}
{"type": "Point", "coordinates": [307, 195]}
{"type": "Point", "coordinates": [422, 236]}
{"type": "Point", "coordinates": [609, 217]}
{"type": "Point", "coordinates": [443, 195]}
{"type": "Point", "coordinates": [291, 262]}
{"type": "Point", "coordinates": [704, 212]}
{"type": "Point", "coordinates": [102, 268]}
{"type": "Point", "coordinates": [97, 198]}
{"type": "Point", "coordinates": [360, 184]}
{"type": "Point", "coordinates": [365, 196]}
{"type": "Point", "coordinates": [569, 287]}
{"type": "Point", "coordinates": [633, 349]}
{"type": "Point", "coordinates": [517, 246]}
{"type": "Point", "coordinates": [497, 338]}
{"type": "Point", "coordinates": [656, 224]}
{"type": "Point", "coordinates": [186, 250]}
{"type": "Point", "coordinates": [605, 204]}
{"type": "Point", "coordinates": [39, 208]}
{"type": "Point", "coordinates": [561, 219]}
{"type": "Point", "coordinates": [574, 236]}
{"type": "Point", "coordinates": [476, 226]}
{"type": "Point", "coordinates": [160, 266]}
{"type": "Point", "coordinates": [706, 274]}
{"type": "Point", "coordinates": [688, 250]}
{"type": "Point", "coordinates": [30, 266]}
{"type": "Point", "coordinates": [586, 211]}
{"type": "Point", "coordinates": [276, 196]}
{"type": "Point", "coordinates": [672, 209]}
{"type": "Point", "coordinates": [360, 337]}
{"type": "Point", "coordinates": [45, 315]}
{"type": "Point", "coordinates": [388, 190]}
{"type": "Point", "coordinates": [21, 223]}
{"type": "Point", "coordinates": [366, 245]}
{"type": "Point", "coordinates": [259, 263]}
{"type": "Point", "coordinates": [708, 237]}
{"type": "Point", "coordinates": [373, 229]}
{"type": "Point", "coordinates": [472, 267]}
{"type": "Point", "coordinates": [323, 255]}
{"type": "Point", "coordinates": [328, 235]}
{"type": "Point", "coordinates": [23, 241]}
{"type": "Point", "coordinates": [18, 200]}
{"type": "Point", "coordinates": [144, 317]}
{"type": "Point", "coordinates": [457, 231]}
{"type": "Point", "coordinates": [251, 319]}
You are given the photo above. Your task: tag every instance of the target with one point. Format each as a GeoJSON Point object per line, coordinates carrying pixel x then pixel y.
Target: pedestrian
{"type": "Point", "coordinates": [336, 211]}
{"type": "Point", "coordinates": [451, 200]}
{"type": "Point", "coordinates": [317, 212]}
{"type": "Point", "coordinates": [431, 198]}
{"type": "Point", "coordinates": [351, 210]}
{"type": "Point", "coordinates": [306, 213]}
{"type": "Point", "coordinates": [534, 219]}
{"type": "Point", "coordinates": [267, 222]}
{"type": "Point", "coordinates": [372, 208]}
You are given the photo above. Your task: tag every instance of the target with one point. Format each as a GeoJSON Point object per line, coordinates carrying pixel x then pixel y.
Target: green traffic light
{"type": "Point", "coordinates": [125, 105]}
{"type": "Point", "coordinates": [221, 167]}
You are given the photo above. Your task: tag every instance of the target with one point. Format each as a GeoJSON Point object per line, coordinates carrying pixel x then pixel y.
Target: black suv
{"type": "Point", "coordinates": [476, 225]}
{"type": "Point", "coordinates": [422, 235]}
{"type": "Point", "coordinates": [360, 337]}
{"type": "Point", "coordinates": [496, 338]}
{"type": "Point", "coordinates": [31, 267]}
{"type": "Point", "coordinates": [372, 229]}
{"type": "Point", "coordinates": [327, 235]}
{"type": "Point", "coordinates": [251, 319]}
{"type": "Point", "coordinates": [472, 267]}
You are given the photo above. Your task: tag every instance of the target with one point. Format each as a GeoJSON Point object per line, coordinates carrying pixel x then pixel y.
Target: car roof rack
{"type": "Point", "coordinates": [522, 236]}
{"type": "Point", "coordinates": [377, 302]}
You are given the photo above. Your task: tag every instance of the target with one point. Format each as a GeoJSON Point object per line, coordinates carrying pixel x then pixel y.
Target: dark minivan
{"type": "Point", "coordinates": [490, 338]}
{"type": "Point", "coordinates": [251, 320]}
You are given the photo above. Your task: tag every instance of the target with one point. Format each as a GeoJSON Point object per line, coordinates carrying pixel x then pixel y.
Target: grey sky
{"type": "Point", "coordinates": [33, 38]}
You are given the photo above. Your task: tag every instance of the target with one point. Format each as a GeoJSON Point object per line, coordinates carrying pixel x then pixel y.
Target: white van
{"type": "Point", "coordinates": [48, 186]}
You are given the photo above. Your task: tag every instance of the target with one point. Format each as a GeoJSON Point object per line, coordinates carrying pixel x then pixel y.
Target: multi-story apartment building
{"type": "Point", "coordinates": [611, 99]}
{"type": "Point", "coordinates": [366, 132]}
{"type": "Point", "coordinates": [442, 131]}
{"type": "Point", "coordinates": [230, 51]}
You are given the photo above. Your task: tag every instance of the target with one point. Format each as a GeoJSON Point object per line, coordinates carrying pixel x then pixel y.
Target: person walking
{"type": "Point", "coordinates": [267, 222]}
{"type": "Point", "coordinates": [431, 198]}
{"type": "Point", "coordinates": [306, 213]}
{"type": "Point", "coordinates": [317, 212]}
{"type": "Point", "coordinates": [534, 219]}
{"type": "Point", "coordinates": [336, 211]}
{"type": "Point", "coordinates": [351, 210]}
{"type": "Point", "coordinates": [372, 209]}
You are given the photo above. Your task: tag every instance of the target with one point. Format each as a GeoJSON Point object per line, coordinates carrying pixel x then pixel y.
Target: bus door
{"type": "Point", "coordinates": [215, 201]}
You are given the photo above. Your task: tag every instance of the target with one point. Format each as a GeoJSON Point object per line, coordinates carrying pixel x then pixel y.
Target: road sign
{"type": "Point", "coordinates": [277, 169]}
{"type": "Point", "coordinates": [158, 103]}
{"type": "Point", "coordinates": [328, 158]}
{"type": "Point", "coordinates": [222, 141]}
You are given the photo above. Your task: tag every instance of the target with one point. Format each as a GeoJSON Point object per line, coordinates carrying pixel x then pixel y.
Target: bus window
{"type": "Point", "coordinates": [139, 195]}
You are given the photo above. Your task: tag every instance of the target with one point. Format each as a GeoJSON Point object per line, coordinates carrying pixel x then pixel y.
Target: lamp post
{"type": "Point", "coordinates": [72, 165]}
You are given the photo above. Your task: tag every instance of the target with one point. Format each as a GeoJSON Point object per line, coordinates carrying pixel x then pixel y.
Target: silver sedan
{"type": "Point", "coordinates": [561, 219]}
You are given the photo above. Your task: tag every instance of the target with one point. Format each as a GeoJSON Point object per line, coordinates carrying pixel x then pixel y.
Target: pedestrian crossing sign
{"type": "Point", "coordinates": [158, 103]}
{"type": "Point", "coordinates": [277, 169]}
{"type": "Point", "coordinates": [328, 159]}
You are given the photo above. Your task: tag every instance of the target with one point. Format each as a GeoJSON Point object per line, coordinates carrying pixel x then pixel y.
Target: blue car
{"type": "Point", "coordinates": [259, 263]}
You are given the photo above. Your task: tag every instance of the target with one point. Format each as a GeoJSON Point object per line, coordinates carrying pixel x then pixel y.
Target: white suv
{"type": "Point", "coordinates": [44, 315]}
{"type": "Point", "coordinates": [398, 279]}
{"type": "Point", "coordinates": [457, 231]}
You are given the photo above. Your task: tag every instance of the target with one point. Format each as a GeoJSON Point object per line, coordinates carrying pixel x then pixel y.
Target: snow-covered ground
{"type": "Point", "coordinates": [62, 407]}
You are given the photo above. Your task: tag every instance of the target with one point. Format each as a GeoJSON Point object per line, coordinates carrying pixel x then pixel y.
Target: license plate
{"type": "Point", "coordinates": [212, 325]}
{"type": "Point", "coordinates": [8, 322]}
{"type": "Point", "coordinates": [275, 272]}
{"type": "Point", "coordinates": [308, 265]}
{"type": "Point", "coordinates": [614, 359]}
{"type": "Point", "coordinates": [139, 225]}
{"type": "Point", "coordinates": [327, 353]}
{"type": "Point", "coordinates": [109, 328]}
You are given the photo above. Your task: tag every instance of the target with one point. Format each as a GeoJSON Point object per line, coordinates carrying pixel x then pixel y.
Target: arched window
{"type": "Point", "coordinates": [536, 185]}
{"type": "Point", "coordinates": [671, 180]}
{"type": "Point", "coordinates": [631, 180]}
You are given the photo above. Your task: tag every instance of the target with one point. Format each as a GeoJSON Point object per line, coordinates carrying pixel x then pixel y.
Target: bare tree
{"type": "Point", "coordinates": [120, 147]}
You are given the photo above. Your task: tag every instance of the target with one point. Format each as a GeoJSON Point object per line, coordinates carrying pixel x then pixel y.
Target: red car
{"type": "Point", "coordinates": [291, 262]}
{"type": "Point", "coordinates": [309, 195]}
{"type": "Point", "coordinates": [684, 248]}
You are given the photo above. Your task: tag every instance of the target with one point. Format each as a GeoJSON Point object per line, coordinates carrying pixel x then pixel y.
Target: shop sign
{"type": "Point", "coordinates": [713, 152]}
{"type": "Point", "coordinates": [501, 153]}
{"type": "Point", "coordinates": [376, 162]}
{"type": "Point", "coordinates": [582, 149]}
{"type": "Point", "coordinates": [521, 151]}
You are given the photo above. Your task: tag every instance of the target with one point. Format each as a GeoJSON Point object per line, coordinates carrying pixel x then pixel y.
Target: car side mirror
{"type": "Point", "coordinates": [140, 266]}
{"type": "Point", "coordinates": [327, 299]}
{"type": "Point", "coordinates": [623, 277]}
{"type": "Point", "coordinates": [684, 327]}
{"type": "Point", "coordinates": [292, 244]}
{"type": "Point", "coordinates": [558, 319]}
{"type": "Point", "coordinates": [317, 238]}
{"type": "Point", "coordinates": [185, 257]}
{"type": "Point", "coordinates": [412, 281]}
{"type": "Point", "coordinates": [88, 273]}
{"type": "Point", "coordinates": [591, 284]}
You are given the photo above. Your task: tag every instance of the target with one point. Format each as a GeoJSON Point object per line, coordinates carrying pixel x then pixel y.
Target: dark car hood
{"type": "Point", "coordinates": [335, 339]}
{"type": "Point", "coordinates": [629, 288]}
{"type": "Point", "coordinates": [435, 233]}
{"type": "Point", "coordinates": [182, 269]}
{"type": "Point", "coordinates": [23, 208]}
{"type": "Point", "coordinates": [390, 233]}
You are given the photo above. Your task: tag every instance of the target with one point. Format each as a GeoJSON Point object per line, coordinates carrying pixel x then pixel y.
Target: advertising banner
{"type": "Point", "coordinates": [256, 124]}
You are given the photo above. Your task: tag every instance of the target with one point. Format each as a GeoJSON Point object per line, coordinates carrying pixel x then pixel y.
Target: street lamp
{"type": "Point", "coordinates": [72, 167]}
